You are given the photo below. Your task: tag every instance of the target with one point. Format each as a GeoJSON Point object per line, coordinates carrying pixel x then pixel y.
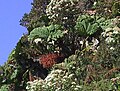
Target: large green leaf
{"type": "Point", "coordinates": [94, 28]}
{"type": "Point", "coordinates": [87, 25]}
{"type": "Point", "coordinates": [52, 32]}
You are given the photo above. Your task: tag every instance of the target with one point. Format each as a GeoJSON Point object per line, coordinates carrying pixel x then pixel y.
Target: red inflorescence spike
{"type": "Point", "coordinates": [48, 60]}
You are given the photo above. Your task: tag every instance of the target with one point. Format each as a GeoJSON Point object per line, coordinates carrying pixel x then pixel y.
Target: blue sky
{"type": "Point", "coordinates": [11, 11]}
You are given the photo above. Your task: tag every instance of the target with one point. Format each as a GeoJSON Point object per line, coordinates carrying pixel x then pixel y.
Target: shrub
{"type": "Point", "coordinates": [116, 9]}
{"type": "Point", "coordinates": [63, 12]}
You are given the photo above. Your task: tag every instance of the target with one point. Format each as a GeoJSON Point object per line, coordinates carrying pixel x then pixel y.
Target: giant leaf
{"type": "Point", "coordinates": [52, 32]}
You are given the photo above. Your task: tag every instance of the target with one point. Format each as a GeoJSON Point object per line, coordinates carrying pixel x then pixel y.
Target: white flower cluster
{"type": "Point", "coordinates": [114, 79]}
{"type": "Point", "coordinates": [94, 45]}
{"type": "Point", "coordinates": [35, 85]}
{"type": "Point", "coordinates": [59, 10]}
{"type": "Point", "coordinates": [38, 40]}
{"type": "Point", "coordinates": [57, 80]}
{"type": "Point", "coordinates": [111, 35]}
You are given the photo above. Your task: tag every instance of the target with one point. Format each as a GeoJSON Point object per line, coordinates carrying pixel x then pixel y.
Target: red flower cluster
{"type": "Point", "coordinates": [48, 60]}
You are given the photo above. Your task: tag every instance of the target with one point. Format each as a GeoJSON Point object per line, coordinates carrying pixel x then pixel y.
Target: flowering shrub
{"type": "Point", "coordinates": [63, 12]}
{"type": "Point", "coordinates": [111, 38]}
{"type": "Point", "coordinates": [71, 76]}
{"type": "Point", "coordinates": [111, 35]}
{"type": "Point", "coordinates": [57, 80]}
{"type": "Point", "coordinates": [88, 47]}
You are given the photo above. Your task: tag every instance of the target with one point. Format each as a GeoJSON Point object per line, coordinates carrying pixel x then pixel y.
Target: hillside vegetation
{"type": "Point", "coordinates": [71, 45]}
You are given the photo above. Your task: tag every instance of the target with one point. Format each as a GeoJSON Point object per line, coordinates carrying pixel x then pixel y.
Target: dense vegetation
{"type": "Point", "coordinates": [71, 45]}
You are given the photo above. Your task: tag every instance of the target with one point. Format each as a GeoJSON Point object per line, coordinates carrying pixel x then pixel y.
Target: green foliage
{"type": "Point", "coordinates": [71, 75]}
{"type": "Point", "coordinates": [14, 74]}
{"type": "Point", "coordinates": [103, 85]}
{"type": "Point", "coordinates": [87, 25]}
{"type": "Point", "coordinates": [11, 55]}
{"type": "Point", "coordinates": [11, 73]}
{"type": "Point", "coordinates": [52, 32]}
{"type": "Point", "coordinates": [86, 70]}
{"type": "Point", "coordinates": [4, 88]}
{"type": "Point", "coordinates": [116, 9]}
{"type": "Point", "coordinates": [104, 8]}
{"type": "Point", "coordinates": [47, 37]}
{"type": "Point", "coordinates": [1, 74]}
{"type": "Point", "coordinates": [37, 16]}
